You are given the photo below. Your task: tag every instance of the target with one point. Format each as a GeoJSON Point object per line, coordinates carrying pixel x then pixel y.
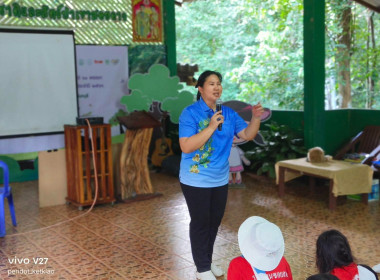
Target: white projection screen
{"type": "Point", "coordinates": [38, 92]}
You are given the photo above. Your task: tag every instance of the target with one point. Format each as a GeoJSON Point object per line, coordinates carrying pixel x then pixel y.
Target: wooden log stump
{"type": "Point", "coordinates": [135, 179]}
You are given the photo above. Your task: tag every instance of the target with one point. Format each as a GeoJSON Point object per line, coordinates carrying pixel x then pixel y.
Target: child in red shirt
{"type": "Point", "coordinates": [262, 245]}
{"type": "Point", "coordinates": [334, 256]}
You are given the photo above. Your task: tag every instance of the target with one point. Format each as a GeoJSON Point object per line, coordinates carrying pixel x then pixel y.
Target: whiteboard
{"type": "Point", "coordinates": [38, 92]}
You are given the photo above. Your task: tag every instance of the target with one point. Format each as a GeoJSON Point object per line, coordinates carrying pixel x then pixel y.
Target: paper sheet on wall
{"type": "Point", "coordinates": [102, 77]}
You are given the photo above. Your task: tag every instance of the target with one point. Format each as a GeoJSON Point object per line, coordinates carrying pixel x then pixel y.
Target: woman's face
{"type": "Point", "coordinates": [212, 89]}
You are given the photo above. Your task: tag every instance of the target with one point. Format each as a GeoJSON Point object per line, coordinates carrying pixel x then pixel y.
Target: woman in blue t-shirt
{"type": "Point", "coordinates": [204, 167]}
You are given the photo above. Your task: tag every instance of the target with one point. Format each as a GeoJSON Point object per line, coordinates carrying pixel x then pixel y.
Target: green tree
{"type": "Point", "coordinates": [256, 45]}
{"type": "Point", "coordinates": [214, 36]}
{"type": "Point", "coordinates": [351, 56]}
{"type": "Point", "coordinates": [272, 71]}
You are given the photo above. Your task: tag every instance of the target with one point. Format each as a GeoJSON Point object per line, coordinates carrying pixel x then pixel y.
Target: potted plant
{"type": "Point", "coordinates": [281, 143]}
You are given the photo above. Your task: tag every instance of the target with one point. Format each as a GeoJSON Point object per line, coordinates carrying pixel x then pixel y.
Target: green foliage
{"type": "Point", "coordinates": [141, 57]}
{"type": "Point", "coordinates": [363, 56]}
{"type": "Point", "coordinates": [272, 71]}
{"type": "Point", "coordinates": [282, 144]}
{"type": "Point", "coordinates": [258, 48]}
{"type": "Point", "coordinates": [203, 40]}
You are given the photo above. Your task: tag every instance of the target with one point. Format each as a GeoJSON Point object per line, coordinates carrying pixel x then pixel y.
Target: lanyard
{"type": "Point", "coordinates": [260, 274]}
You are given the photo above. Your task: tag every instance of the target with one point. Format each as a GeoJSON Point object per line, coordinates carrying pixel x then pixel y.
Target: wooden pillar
{"type": "Point", "coordinates": [170, 37]}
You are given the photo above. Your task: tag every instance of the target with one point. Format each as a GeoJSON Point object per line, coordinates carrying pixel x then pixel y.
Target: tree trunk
{"type": "Point", "coordinates": [371, 62]}
{"type": "Point", "coordinates": [134, 171]}
{"type": "Point", "coordinates": [344, 76]}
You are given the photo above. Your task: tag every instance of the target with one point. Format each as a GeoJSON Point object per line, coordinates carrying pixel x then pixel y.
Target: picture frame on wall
{"type": "Point", "coordinates": [147, 21]}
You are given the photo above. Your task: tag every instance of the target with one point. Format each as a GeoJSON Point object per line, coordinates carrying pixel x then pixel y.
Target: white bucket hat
{"type": "Point", "coordinates": [261, 243]}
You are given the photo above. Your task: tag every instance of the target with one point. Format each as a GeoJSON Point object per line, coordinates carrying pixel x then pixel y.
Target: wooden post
{"type": "Point", "coordinates": [281, 181]}
{"type": "Point", "coordinates": [332, 198]}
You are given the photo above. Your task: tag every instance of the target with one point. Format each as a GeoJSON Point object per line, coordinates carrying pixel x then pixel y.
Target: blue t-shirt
{"type": "Point", "coordinates": [208, 166]}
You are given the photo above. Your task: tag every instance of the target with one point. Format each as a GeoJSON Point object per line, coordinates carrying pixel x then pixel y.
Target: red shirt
{"type": "Point", "coordinates": [240, 269]}
{"type": "Point", "coordinates": [349, 272]}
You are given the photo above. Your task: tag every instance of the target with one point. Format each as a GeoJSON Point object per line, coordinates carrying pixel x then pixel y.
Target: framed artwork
{"type": "Point", "coordinates": [147, 21]}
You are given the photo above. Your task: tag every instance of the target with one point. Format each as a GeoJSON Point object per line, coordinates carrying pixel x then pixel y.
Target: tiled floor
{"type": "Point", "coordinates": [149, 239]}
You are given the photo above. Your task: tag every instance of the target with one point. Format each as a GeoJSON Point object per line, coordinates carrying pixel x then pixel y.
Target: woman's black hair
{"type": "Point", "coordinates": [322, 276]}
{"type": "Point", "coordinates": [333, 250]}
{"type": "Point", "coordinates": [202, 78]}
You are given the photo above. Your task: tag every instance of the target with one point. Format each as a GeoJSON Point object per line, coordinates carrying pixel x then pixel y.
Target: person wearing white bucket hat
{"type": "Point", "coordinates": [262, 245]}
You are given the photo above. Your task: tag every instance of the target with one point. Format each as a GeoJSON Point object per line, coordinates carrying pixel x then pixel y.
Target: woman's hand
{"type": "Point", "coordinates": [216, 119]}
{"type": "Point", "coordinates": [251, 130]}
{"type": "Point", "coordinates": [190, 144]}
{"type": "Point", "coordinates": [257, 111]}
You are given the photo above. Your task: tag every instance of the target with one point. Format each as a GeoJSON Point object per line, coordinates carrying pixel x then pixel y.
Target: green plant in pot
{"type": "Point", "coordinates": [281, 143]}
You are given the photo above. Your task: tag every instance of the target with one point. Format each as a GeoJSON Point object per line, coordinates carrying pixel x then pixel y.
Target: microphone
{"type": "Point", "coordinates": [218, 108]}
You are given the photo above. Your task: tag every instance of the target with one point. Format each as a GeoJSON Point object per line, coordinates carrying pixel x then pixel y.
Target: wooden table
{"type": "Point", "coordinates": [345, 178]}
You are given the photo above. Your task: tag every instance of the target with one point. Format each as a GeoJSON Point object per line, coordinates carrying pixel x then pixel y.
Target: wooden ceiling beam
{"type": "Point", "coordinates": [371, 4]}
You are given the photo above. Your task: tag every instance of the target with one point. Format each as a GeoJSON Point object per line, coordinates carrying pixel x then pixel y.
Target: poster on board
{"type": "Point", "coordinates": [102, 78]}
